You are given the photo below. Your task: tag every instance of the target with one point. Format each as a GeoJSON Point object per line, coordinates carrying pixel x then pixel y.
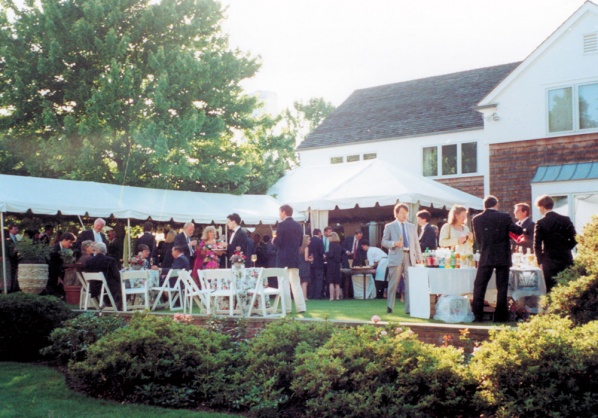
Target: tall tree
{"type": "Point", "coordinates": [304, 117]}
{"type": "Point", "coordinates": [125, 91]}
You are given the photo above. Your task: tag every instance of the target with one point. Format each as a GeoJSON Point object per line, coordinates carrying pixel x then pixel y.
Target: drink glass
{"type": "Point", "coordinates": [253, 259]}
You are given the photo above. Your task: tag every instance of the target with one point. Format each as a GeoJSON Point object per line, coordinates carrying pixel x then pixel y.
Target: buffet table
{"type": "Point", "coordinates": [423, 282]}
{"type": "Point", "coordinates": [364, 286]}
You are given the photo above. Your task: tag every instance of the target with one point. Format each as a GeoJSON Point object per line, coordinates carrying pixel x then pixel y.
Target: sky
{"type": "Point", "coordinates": [330, 48]}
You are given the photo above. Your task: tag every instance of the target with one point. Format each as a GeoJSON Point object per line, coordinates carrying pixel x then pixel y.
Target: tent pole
{"type": "Point", "coordinates": [3, 253]}
{"type": "Point", "coordinates": [81, 220]}
{"type": "Point", "coordinates": [129, 235]}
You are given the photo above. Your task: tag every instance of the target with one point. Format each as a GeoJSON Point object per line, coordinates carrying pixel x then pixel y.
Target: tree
{"type": "Point", "coordinates": [126, 92]}
{"type": "Point", "coordinates": [303, 118]}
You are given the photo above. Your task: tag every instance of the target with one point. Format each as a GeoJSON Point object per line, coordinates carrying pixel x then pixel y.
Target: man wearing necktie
{"type": "Point", "coordinates": [400, 237]}
{"type": "Point", "coordinates": [352, 250]}
{"type": "Point", "coordinates": [95, 234]}
{"type": "Point", "coordinates": [186, 242]}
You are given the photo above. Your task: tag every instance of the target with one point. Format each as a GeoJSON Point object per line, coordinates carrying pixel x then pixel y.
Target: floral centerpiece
{"type": "Point", "coordinates": [136, 262]}
{"type": "Point", "coordinates": [238, 257]}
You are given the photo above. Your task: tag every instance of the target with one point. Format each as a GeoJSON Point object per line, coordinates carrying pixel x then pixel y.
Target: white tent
{"type": "Point", "coordinates": [364, 184]}
{"type": "Point", "coordinates": [50, 196]}
{"type": "Point", "coordinates": [69, 197]}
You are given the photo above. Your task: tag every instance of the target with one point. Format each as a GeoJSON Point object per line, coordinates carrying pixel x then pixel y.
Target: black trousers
{"type": "Point", "coordinates": [316, 286]}
{"type": "Point", "coordinates": [482, 278]}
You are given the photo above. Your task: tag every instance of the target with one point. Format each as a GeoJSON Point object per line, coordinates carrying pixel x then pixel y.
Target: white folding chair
{"type": "Point", "coordinates": [83, 295]}
{"type": "Point", "coordinates": [192, 293]}
{"type": "Point", "coordinates": [174, 289]}
{"type": "Point", "coordinates": [138, 281]}
{"type": "Point", "coordinates": [104, 291]}
{"type": "Point", "coordinates": [222, 286]}
{"type": "Point", "coordinates": [265, 292]}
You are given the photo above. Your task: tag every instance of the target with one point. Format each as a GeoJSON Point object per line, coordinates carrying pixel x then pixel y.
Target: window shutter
{"type": "Point", "coordinates": [590, 43]}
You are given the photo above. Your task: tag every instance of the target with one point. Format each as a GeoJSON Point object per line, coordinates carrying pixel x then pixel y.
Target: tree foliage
{"type": "Point", "coordinates": [130, 92]}
{"type": "Point", "coordinates": [304, 117]}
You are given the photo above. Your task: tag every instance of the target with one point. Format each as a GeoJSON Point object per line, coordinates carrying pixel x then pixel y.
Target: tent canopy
{"type": "Point", "coordinates": [364, 184]}
{"type": "Point", "coordinates": [50, 196]}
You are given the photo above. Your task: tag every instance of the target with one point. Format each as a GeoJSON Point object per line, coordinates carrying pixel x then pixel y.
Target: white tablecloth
{"type": "Point", "coordinates": [370, 290]}
{"type": "Point", "coordinates": [424, 282]}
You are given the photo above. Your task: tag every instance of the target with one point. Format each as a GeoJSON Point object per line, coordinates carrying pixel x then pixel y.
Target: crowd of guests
{"type": "Point", "coordinates": [316, 261]}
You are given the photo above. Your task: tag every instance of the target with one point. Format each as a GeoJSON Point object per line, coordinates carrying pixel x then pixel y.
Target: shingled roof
{"type": "Point", "coordinates": [429, 105]}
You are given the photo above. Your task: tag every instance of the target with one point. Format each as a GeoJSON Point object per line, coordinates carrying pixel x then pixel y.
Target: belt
{"type": "Point", "coordinates": [406, 250]}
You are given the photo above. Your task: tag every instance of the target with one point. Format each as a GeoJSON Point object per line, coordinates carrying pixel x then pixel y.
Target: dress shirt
{"type": "Point", "coordinates": [97, 236]}
{"type": "Point", "coordinates": [232, 236]}
{"type": "Point", "coordinates": [191, 250]}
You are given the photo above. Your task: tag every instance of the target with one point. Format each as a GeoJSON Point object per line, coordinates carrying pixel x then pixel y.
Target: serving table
{"type": "Point", "coordinates": [423, 282]}
{"type": "Point", "coordinates": [369, 286]}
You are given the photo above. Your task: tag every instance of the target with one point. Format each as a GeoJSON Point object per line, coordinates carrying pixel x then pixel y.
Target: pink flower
{"type": "Point", "coordinates": [383, 332]}
{"type": "Point", "coordinates": [398, 330]}
{"type": "Point", "coordinates": [375, 319]}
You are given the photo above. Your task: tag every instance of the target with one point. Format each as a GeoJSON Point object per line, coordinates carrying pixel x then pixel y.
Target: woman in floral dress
{"type": "Point", "coordinates": [207, 253]}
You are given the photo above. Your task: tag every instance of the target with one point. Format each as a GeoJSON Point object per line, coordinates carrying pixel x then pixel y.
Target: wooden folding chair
{"type": "Point", "coordinates": [264, 293]}
{"type": "Point", "coordinates": [171, 290]}
{"type": "Point", "coordinates": [104, 291]}
{"type": "Point", "coordinates": [138, 281]}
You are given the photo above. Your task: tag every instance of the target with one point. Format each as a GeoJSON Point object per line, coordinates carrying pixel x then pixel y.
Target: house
{"type": "Point", "coordinates": [484, 131]}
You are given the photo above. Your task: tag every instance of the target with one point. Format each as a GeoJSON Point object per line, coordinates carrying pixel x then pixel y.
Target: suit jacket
{"type": "Point", "coordinates": [55, 264]}
{"type": "Point", "coordinates": [289, 237]}
{"type": "Point", "coordinates": [528, 231]}
{"type": "Point", "coordinates": [239, 240]}
{"type": "Point", "coordinates": [180, 263]}
{"type": "Point", "coordinates": [181, 241]}
{"type": "Point", "coordinates": [554, 238]}
{"type": "Point", "coordinates": [148, 239]}
{"type": "Point", "coordinates": [316, 249]}
{"type": "Point", "coordinates": [393, 232]}
{"type": "Point", "coordinates": [491, 230]}
{"type": "Point", "coordinates": [427, 238]}
{"type": "Point", "coordinates": [358, 258]}
{"type": "Point", "coordinates": [108, 266]}
{"type": "Point", "coordinates": [88, 235]}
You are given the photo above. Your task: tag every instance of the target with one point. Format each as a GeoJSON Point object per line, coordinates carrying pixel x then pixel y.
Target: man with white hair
{"type": "Point", "coordinates": [94, 234]}
{"type": "Point", "coordinates": [107, 265]}
{"type": "Point", "coordinates": [186, 241]}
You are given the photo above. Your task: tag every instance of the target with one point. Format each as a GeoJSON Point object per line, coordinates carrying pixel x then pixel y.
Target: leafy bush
{"type": "Point", "coordinates": [26, 322]}
{"type": "Point", "coordinates": [587, 247]}
{"type": "Point", "coordinates": [545, 368]}
{"type": "Point", "coordinates": [270, 356]}
{"type": "Point", "coordinates": [71, 341]}
{"type": "Point", "coordinates": [159, 361]}
{"type": "Point", "coordinates": [383, 372]}
{"type": "Point", "coordinates": [32, 252]}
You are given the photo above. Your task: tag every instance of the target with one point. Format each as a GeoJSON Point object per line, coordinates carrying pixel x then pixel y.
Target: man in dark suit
{"type": "Point", "coordinates": [316, 250]}
{"type": "Point", "coordinates": [94, 234]}
{"type": "Point", "coordinates": [186, 242]}
{"type": "Point", "coordinates": [238, 239]}
{"type": "Point", "coordinates": [13, 257]}
{"type": "Point", "coordinates": [100, 262]}
{"type": "Point", "coordinates": [289, 237]}
{"type": "Point", "coordinates": [427, 235]}
{"type": "Point", "coordinates": [147, 239]}
{"type": "Point", "coordinates": [554, 238]}
{"type": "Point", "coordinates": [525, 240]}
{"type": "Point", "coordinates": [352, 250]}
{"type": "Point", "coordinates": [181, 262]}
{"type": "Point", "coordinates": [56, 264]}
{"type": "Point", "coordinates": [491, 230]}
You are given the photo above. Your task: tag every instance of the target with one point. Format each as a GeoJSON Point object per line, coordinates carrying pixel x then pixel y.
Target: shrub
{"type": "Point", "coordinates": [71, 341]}
{"type": "Point", "coordinates": [270, 356]}
{"type": "Point", "coordinates": [587, 247]}
{"type": "Point", "coordinates": [26, 322]}
{"type": "Point", "coordinates": [545, 368]}
{"type": "Point", "coordinates": [159, 361]}
{"type": "Point", "coordinates": [577, 300]}
{"type": "Point", "coordinates": [384, 372]}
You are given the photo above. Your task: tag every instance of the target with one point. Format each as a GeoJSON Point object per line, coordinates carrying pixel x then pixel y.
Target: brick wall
{"type": "Point", "coordinates": [472, 185]}
{"type": "Point", "coordinates": [513, 165]}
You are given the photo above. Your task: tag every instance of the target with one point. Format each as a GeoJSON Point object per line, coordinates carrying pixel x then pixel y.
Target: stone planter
{"type": "Point", "coordinates": [33, 278]}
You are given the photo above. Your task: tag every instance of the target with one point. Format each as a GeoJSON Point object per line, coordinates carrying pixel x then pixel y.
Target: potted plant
{"type": "Point", "coordinates": [33, 267]}
{"type": "Point", "coordinates": [72, 287]}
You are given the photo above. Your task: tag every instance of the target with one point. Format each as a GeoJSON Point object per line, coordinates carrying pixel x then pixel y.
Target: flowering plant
{"type": "Point", "coordinates": [238, 256]}
{"type": "Point", "coordinates": [67, 256]}
{"type": "Point", "coordinates": [136, 261]}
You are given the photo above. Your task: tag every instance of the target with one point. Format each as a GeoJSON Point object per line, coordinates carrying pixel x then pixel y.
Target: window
{"type": "Point", "coordinates": [336, 160]}
{"type": "Point", "coordinates": [573, 108]}
{"type": "Point", "coordinates": [451, 159]}
{"type": "Point", "coordinates": [353, 158]}
{"type": "Point", "coordinates": [371, 156]}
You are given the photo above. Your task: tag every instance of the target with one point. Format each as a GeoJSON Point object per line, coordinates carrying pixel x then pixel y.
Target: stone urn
{"type": "Point", "coordinates": [33, 278]}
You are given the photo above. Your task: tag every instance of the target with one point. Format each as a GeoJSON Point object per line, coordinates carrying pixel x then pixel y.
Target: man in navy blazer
{"type": "Point", "coordinates": [491, 230]}
{"type": "Point", "coordinates": [94, 234]}
{"type": "Point", "coordinates": [316, 250]}
{"type": "Point", "coordinates": [181, 262]}
{"type": "Point", "coordinates": [289, 237]}
{"type": "Point", "coordinates": [186, 242]}
{"type": "Point", "coordinates": [427, 236]}
{"type": "Point", "coordinates": [554, 238]}
{"type": "Point", "coordinates": [100, 262]}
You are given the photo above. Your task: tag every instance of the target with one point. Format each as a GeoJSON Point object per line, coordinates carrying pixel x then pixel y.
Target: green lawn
{"type": "Point", "coordinates": [29, 390]}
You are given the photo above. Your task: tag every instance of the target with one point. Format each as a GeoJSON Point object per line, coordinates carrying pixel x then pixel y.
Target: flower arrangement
{"type": "Point", "coordinates": [238, 256]}
{"type": "Point", "coordinates": [136, 261]}
{"type": "Point", "coordinates": [185, 319]}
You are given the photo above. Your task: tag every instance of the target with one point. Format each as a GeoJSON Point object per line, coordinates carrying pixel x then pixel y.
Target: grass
{"type": "Point", "coordinates": [31, 390]}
